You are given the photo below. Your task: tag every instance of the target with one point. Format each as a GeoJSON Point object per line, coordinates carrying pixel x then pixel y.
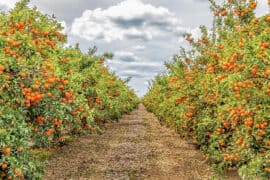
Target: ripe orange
{"type": "Point", "coordinates": [4, 166]}
{"type": "Point", "coordinates": [2, 68]}
{"type": "Point", "coordinates": [65, 82]}
{"type": "Point", "coordinates": [68, 95]}
{"type": "Point", "coordinates": [23, 75]}
{"type": "Point", "coordinates": [268, 19]}
{"type": "Point", "coordinates": [18, 172]}
{"type": "Point", "coordinates": [267, 169]}
{"type": "Point", "coordinates": [253, 5]}
{"type": "Point", "coordinates": [226, 125]}
{"type": "Point", "coordinates": [267, 72]}
{"type": "Point", "coordinates": [6, 151]}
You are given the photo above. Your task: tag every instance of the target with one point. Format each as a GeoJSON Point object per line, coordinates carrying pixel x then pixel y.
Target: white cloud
{"type": "Point", "coordinates": [130, 19]}
{"type": "Point", "coordinates": [262, 8]}
{"type": "Point", "coordinates": [139, 48]}
{"type": "Point", "coordinates": [8, 3]}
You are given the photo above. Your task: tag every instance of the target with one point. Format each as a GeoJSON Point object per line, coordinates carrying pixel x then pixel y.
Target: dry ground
{"type": "Point", "coordinates": [136, 147]}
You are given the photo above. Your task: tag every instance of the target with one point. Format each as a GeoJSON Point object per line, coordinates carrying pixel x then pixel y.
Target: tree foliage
{"type": "Point", "coordinates": [48, 92]}
{"type": "Point", "coordinates": [219, 92]}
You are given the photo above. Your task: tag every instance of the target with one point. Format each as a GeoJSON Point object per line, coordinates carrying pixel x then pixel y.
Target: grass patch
{"type": "Point", "coordinates": [42, 155]}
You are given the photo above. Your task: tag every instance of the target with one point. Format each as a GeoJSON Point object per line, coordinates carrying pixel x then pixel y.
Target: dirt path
{"type": "Point", "coordinates": [135, 148]}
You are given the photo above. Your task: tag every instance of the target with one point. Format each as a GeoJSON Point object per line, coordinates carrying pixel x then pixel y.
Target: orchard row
{"type": "Point", "coordinates": [218, 93]}
{"type": "Point", "coordinates": [49, 92]}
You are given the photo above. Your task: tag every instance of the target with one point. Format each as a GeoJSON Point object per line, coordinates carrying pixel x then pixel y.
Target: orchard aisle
{"type": "Point", "coordinates": [135, 148]}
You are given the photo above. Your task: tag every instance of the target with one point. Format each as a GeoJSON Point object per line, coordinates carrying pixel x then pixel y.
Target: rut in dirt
{"type": "Point", "coordinates": [136, 147]}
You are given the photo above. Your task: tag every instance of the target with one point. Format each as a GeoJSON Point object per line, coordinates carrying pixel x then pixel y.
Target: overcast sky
{"type": "Point", "coordinates": [142, 34]}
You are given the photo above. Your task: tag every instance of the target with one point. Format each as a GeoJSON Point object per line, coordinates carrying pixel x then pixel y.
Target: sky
{"type": "Point", "coordinates": [141, 34]}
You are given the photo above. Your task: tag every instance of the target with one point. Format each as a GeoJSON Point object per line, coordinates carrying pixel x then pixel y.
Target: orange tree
{"type": "Point", "coordinates": [48, 92]}
{"type": "Point", "coordinates": [218, 92]}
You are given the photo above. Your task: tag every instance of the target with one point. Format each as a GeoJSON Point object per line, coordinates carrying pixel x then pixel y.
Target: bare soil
{"type": "Point", "coordinates": [137, 147]}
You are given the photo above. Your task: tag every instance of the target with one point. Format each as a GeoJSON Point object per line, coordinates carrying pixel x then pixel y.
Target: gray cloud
{"type": "Point", "coordinates": [132, 73]}
{"type": "Point", "coordinates": [138, 36]}
{"type": "Point", "coordinates": [125, 56]}
{"type": "Point", "coordinates": [128, 23]}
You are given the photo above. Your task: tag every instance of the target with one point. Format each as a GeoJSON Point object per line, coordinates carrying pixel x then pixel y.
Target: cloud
{"type": "Point", "coordinates": [129, 19]}
{"type": "Point", "coordinates": [140, 35]}
{"type": "Point", "coordinates": [7, 4]}
{"type": "Point", "coordinates": [3, 7]}
{"type": "Point", "coordinates": [132, 73]}
{"type": "Point", "coordinates": [140, 71]}
{"type": "Point", "coordinates": [125, 56]}
{"type": "Point", "coordinates": [262, 8]}
{"type": "Point", "coordinates": [139, 66]}
{"type": "Point", "coordinates": [139, 48]}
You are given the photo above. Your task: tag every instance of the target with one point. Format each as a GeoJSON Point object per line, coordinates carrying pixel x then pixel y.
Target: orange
{"type": "Point", "coordinates": [4, 166]}
{"type": "Point", "coordinates": [2, 68]}
{"type": "Point", "coordinates": [18, 172]}
{"type": "Point", "coordinates": [6, 151]}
